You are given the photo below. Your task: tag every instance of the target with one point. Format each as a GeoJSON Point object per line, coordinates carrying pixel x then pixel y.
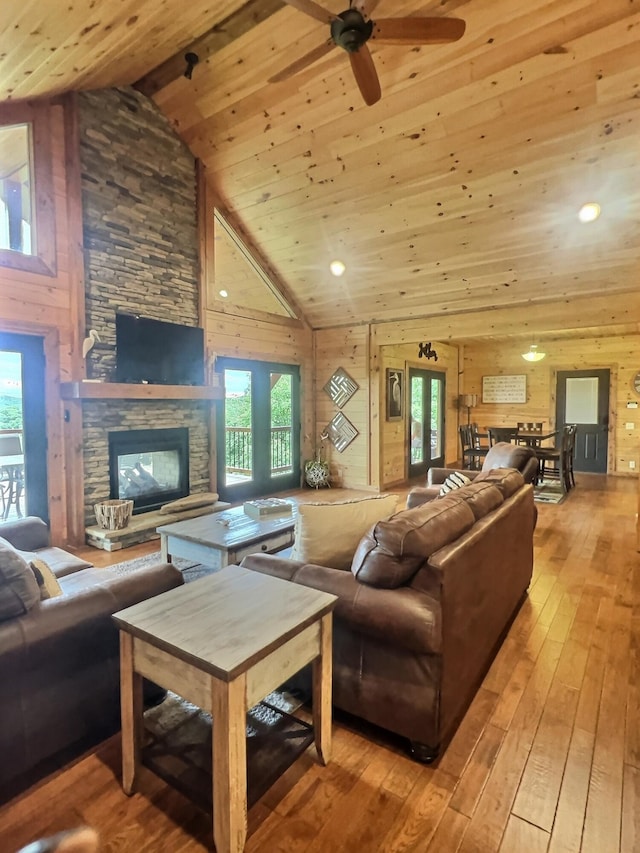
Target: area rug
{"type": "Point", "coordinates": [548, 493]}
{"type": "Point", "coordinates": [177, 744]}
{"type": "Point", "coordinates": [190, 571]}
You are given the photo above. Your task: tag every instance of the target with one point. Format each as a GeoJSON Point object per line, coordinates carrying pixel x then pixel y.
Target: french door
{"type": "Point", "coordinates": [582, 398]}
{"type": "Point", "coordinates": [426, 424]}
{"type": "Point", "coordinates": [22, 415]}
{"type": "Point", "coordinates": [258, 429]}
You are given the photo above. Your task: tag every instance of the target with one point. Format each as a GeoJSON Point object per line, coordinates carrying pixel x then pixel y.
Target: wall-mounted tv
{"type": "Point", "coordinates": [157, 352]}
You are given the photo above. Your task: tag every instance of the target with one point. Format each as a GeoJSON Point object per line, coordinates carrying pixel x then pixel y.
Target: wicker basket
{"type": "Point", "coordinates": [113, 515]}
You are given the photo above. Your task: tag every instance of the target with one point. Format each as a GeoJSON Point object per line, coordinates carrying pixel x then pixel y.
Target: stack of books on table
{"type": "Point", "coordinates": [267, 508]}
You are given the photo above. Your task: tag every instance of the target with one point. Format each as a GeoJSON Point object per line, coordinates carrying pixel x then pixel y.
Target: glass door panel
{"type": "Point", "coordinates": [281, 425]}
{"type": "Point", "coordinates": [417, 408]}
{"type": "Point", "coordinates": [426, 437]}
{"type": "Point", "coordinates": [238, 427]}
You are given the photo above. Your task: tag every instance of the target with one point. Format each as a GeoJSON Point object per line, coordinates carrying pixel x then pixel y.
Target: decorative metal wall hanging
{"type": "Point", "coordinates": [341, 387]}
{"type": "Point", "coordinates": [425, 351]}
{"type": "Point", "coordinates": [340, 432]}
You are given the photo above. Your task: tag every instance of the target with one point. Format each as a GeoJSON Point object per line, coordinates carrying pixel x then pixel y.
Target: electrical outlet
{"type": "Point", "coordinates": [632, 463]}
{"type": "Point", "coordinates": [630, 425]}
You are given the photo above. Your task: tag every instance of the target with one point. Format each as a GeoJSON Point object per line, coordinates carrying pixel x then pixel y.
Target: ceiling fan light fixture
{"type": "Point", "coordinates": [533, 354]}
{"type": "Point", "coordinates": [337, 268]}
{"type": "Point", "coordinates": [589, 212]}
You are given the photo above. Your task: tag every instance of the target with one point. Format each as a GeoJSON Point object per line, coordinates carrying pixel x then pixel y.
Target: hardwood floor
{"type": "Point", "coordinates": [546, 759]}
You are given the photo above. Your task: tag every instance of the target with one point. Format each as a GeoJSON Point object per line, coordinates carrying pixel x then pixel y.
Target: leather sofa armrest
{"type": "Point", "coordinates": [26, 534]}
{"type": "Point", "coordinates": [421, 495]}
{"type": "Point", "coordinates": [78, 624]}
{"type": "Point", "coordinates": [123, 590]}
{"type": "Point", "coordinates": [272, 564]}
{"type": "Point", "coordinates": [404, 616]}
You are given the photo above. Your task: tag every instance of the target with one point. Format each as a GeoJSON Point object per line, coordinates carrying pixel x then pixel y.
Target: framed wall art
{"type": "Point", "coordinates": [395, 394]}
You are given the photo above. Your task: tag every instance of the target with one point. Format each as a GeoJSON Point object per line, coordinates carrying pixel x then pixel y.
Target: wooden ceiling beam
{"type": "Point", "coordinates": [220, 35]}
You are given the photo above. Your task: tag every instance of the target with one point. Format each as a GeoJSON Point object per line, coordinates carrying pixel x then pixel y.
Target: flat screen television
{"type": "Point", "coordinates": [157, 352]}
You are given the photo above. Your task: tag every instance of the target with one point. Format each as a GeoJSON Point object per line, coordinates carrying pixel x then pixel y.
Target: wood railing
{"type": "Point", "coordinates": [239, 450]}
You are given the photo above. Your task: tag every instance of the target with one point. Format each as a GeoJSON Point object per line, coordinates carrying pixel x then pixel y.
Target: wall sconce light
{"type": "Point", "coordinates": [425, 351]}
{"type": "Point", "coordinates": [468, 402]}
{"type": "Point", "coordinates": [533, 354]}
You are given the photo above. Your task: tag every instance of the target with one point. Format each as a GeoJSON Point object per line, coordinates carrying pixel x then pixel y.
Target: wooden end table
{"type": "Point", "coordinates": [223, 643]}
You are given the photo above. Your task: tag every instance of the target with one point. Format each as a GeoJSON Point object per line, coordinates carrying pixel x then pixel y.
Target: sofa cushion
{"type": "Point", "coordinates": [18, 587]}
{"type": "Point", "coordinates": [392, 551]}
{"type": "Point", "coordinates": [508, 480]}
{"type": "Point", "coordinates": [483, 498]}
{"type": "Point", "coordinates": [327, 534]}
{"type": "Point", "coordinates": [455, 480]}
{"type": "Point", "coordinates": [48, 583]}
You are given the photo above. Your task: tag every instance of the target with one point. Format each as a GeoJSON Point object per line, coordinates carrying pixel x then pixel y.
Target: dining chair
{"type": "Point", "coordinates": [11, 476]}
{"type": "Point", "coordinates": [555, 462]}
{"type": "Point", "coordinates": [529, 426]}
{"type": "Point", "coordinates": [497, 434]}
{"type": "Point", "coordinates": [471, 454]}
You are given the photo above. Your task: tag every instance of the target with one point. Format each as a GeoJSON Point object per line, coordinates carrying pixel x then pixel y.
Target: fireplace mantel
{"type": "Point", "coordinates": [86, 390]}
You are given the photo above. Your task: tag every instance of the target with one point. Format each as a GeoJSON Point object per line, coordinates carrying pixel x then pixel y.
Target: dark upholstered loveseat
{"type": "Point", "coordinates": [59, 658]}
{"type": "Point", "coordinates": [501, 455]}
{"type": "Point", "coordinates": [430, 595]}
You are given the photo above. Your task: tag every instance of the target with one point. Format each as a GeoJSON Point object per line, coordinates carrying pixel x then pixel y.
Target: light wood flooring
{"type": "Point", "coordinates": [546, 759]}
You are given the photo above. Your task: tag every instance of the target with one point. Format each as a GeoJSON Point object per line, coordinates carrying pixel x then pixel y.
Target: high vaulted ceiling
{"type": "Point", "coordinates": [457, 191]}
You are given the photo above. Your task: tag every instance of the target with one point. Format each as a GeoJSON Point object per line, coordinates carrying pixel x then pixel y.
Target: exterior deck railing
{"type": "Point", "coordinates": [239, 450]}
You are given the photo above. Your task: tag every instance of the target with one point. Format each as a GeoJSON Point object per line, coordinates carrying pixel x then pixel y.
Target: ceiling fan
{"type": "Point", "coordinates": [352, 29]}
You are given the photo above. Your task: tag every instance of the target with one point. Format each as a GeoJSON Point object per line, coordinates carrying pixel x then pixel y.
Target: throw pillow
{"type": "Point", "coordinates": [18, 587]}
{"type": "Point", "coordinates": [328, 534]}
{"type": "Point", "coordinates": [48, 583]}
{"type": "Point", "coordinates": [454, 481]}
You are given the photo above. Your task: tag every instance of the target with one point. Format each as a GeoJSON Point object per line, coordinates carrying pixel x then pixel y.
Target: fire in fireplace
{"type": "Point", "coordinates": [149, 466]}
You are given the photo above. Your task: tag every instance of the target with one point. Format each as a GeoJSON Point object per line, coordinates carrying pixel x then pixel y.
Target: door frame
{"type": "Point", "coordinates": [258, 486]}
{"type": "Point", "coordinates": [611, 413]}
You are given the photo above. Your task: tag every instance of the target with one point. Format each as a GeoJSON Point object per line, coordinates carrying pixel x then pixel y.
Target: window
{"type": "Point", "coordinates": [27, 229]}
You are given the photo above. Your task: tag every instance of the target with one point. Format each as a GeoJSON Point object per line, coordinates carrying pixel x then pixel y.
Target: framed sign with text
{"type": "Point", "coordinates": [504, 389]}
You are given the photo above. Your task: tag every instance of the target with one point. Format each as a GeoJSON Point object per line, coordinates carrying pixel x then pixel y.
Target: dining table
{"type": "Point", "coordinates": [12, 479]}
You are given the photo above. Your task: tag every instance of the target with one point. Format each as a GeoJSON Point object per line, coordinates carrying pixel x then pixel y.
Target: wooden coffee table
{"type": "Point", "coordinates": [224, 642]}
{"type": "Point", "coordinates": [224, 538]}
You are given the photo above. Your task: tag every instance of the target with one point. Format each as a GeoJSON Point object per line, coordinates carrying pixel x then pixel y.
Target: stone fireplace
{"type": "Point", "coordinates": [149, 466]}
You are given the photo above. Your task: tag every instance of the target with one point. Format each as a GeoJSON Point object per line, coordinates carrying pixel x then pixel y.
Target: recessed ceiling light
{"type": "Point", "coordinates": [589, 212]}
{"type": "Point", "coordinates": [223, 293]}
{"type": "Point", "coordinates": [337, 267]}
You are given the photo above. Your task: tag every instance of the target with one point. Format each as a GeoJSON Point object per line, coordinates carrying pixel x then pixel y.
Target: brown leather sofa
{"type": "Point", "coordinates": [59, 658]}
{"type": "Point", "coordinates": [430, 595]}
{"type": "Point", "coordinates": [501, 455]}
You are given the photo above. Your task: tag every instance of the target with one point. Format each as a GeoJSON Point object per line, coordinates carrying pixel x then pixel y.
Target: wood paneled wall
{"type": "Point", "coordinates": [620, 354]}
{"type": "Point", "coordinates": [50, 306]}
{"type": "Point", "coordinates": [347, 347]}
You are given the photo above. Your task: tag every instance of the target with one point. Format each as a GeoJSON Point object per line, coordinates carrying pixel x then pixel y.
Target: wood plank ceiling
{"type": "Point", "coordinates": [457, 191]}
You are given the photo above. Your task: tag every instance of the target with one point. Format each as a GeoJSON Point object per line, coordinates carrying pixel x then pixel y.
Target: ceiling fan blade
{"type": "Point", "coordinates": [300, 64]}
{"type": "Point", "coordinates": [366, 76]}
{"type": "Point", "coordinates": [418, 30]}
{"type": "Point", "coordinates": [365, 7]}
{"type": "Point", "coordinates": [309, 7]}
